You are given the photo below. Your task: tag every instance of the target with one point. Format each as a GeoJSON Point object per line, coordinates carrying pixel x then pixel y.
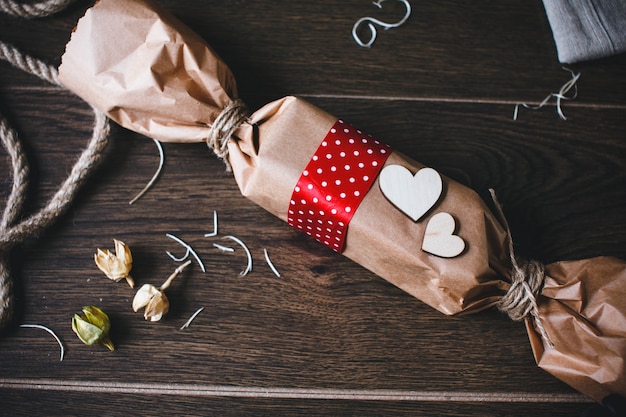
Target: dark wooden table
{"type": "Point", "coordinates": [327, 337]}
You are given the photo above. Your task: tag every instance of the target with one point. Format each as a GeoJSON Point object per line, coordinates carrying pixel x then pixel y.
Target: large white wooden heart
{"type": "Point", "coordinates": [439, 238]}
{"type": "Point", "coordinates": [412, 194]}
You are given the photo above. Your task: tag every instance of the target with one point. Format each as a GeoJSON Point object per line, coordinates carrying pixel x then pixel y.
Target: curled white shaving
{"type": "Point", "coordinates": [39, 326]}
{"type": "Point", "coordinates": [214, 232]}
{"type": "Point", "coordinates": [223, 248]}
{"type": "Point", "coordinates": [372, 21]}
{"type": "Point", "coordinates": [181, 259]}
{"type": "Point", "coordinates": [193, 316]}
{"type": "Point", "coordinates": [270, 264]}
{"type": "Point", "coordinates": [189, 250]}
{"type": "Point", "coordinates": [156, 174]}
{"type": "Point", "coordinates": [561, 95]}
{"type": "Point", "coordinates": [249, 266]}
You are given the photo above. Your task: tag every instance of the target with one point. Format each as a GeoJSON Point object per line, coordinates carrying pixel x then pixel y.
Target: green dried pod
{"type": "Point", "coordinates": [92, 327]}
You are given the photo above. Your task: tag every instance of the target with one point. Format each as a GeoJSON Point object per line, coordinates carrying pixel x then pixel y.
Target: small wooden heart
{"type": "Point", "coordinates": [412, 194]}
{"type": "Point", "coordinates": [439, 238]}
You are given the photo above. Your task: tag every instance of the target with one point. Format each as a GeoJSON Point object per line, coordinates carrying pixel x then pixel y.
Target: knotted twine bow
{"type": "Point", "coordinates": [224, 127]}
{"type": "Point", "coordinates": [12, 231]}
{"type": "Point", "coordinates": [527, 279]}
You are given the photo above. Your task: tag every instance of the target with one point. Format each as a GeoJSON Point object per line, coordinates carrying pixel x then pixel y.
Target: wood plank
{"type": "Point", "coordinates": [326, 323]}
{"type": "Point", "coordinates": [554, 175]}
{"type": "Point", "coordinates": [19, 403]}
{"type": "Point", "coordinates": [327, 337]}
{"type": "Point", "coordinates": [448, 50]}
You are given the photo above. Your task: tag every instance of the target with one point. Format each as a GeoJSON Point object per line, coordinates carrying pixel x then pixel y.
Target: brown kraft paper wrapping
{"type": "Point", "coordinates": [151, 74]}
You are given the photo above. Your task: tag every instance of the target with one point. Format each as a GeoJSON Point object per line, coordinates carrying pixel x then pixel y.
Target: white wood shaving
{"type": "Point", "coordinates": [270, 264]}
{"type": "Point", "coordinates": [189, 249]}
{"type": "Point", "coordinates": [39, 326]}
{"type": "Point", "coordinates": [193, 316]}
{"type": "Point", "coordinates": [249, 266]}
{"type": "Point", "coordinates": [214, 232]}
{"type": "Point", "coordinates": [559, 96]}
{"type": "Point", "coordinates": [223, 248]}
{"type": "Point", "coordinates": [372, 21]}
{"type": "Point", "coordinates": [181, 259]}
{"type": "Point", "coordinates": [156, 174]}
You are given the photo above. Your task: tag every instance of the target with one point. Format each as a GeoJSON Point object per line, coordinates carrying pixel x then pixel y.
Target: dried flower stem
{"type": "Point", "coordinates": [177, 271]}
{"type": "Point", "coordinates": [39, 326]}
{"type": "Point", "coordinates": [155, 176]}
{"type": "Point", "coordinates": [193, 316]}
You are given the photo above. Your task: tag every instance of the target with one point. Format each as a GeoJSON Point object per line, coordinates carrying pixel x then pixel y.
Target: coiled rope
{"type": "Point", "coordinates": [13, 229]}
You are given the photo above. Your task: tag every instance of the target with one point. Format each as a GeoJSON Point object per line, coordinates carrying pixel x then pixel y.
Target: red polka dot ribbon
{"type": "Point", "coordinates": [334, 183]}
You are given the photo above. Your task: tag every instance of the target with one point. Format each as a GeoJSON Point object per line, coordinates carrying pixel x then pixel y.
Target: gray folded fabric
{"type": "Point", "coordinates": [587, 29]}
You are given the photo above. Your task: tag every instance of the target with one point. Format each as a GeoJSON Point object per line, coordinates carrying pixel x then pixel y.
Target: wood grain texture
{"type": "Point", "coordinates": [332, 335]}
{"type": "Point", "coordinates": [108, 404]}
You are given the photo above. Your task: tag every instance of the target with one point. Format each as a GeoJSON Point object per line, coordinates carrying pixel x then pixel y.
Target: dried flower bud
{"type": "Point", "coordinates": [154, 299]}
{"type": "Point", "coordinates": [117, 266]}
{"type": "Point", "coordinates": [92, 327]}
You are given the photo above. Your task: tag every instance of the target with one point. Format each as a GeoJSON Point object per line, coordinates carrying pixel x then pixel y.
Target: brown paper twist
{"type": "Point", "coordinates": [527, 279]}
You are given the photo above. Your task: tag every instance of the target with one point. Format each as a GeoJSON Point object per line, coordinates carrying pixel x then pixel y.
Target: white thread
{"type": "Point", "coordinates": [372, 21]}
{"type": "Point", "coordinates": [156, 174]}
{"type": "Point", "coordinates": [189, 249]}
{"type": "Point", "coordinates": [214, 232]}
{"type": "Point", "coordinates": [223, 248]}
{"type": "Point", "coordinates": [39, 326]}
{"type": "Point", "coordinates": [249, 266]}
{"type": "Point", "coordinates": [558, 96]}
{"type": "Point", "coordinates": [193, 316]}
{"type": "Point", "coordinates": [181, 259]}
{"type": "Point", "coordinates": [270, 264]}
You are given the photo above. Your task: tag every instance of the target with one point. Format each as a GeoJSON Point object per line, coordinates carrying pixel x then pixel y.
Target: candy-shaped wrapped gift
{"type": "Point", "coordinates": [421, 231]}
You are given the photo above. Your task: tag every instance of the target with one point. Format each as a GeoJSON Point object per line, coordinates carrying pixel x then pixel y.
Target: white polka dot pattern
{"type": "Point", "coordinates": [334, 183]}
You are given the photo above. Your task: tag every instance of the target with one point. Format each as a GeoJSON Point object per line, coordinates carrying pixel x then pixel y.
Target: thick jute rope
{"type": "Point", "coordinates": [224, 127]}
{"type": "Point", "coordinates": [33, 10]}
{"type": "Point", "coordinates": [527, 279]}
{"type": "Point", "coordinates": [14, 231]}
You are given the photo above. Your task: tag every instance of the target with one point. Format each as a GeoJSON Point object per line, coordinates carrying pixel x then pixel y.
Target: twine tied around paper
{"type": "Point", "coordinates": [527, 279]}
{"type": "Point", "coordinates": [224, 127]}
{"type": "Point", "coordinates": [13, 231]}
